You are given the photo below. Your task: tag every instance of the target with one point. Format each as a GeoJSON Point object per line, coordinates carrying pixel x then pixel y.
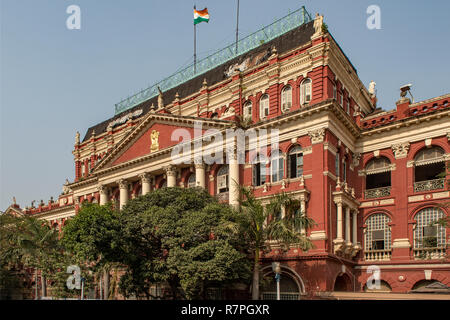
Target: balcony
{"type": "Point", "coordinates": [378, 255]}
{"type": "Point", "coordinates": [429, 185]}
{"type": "Point", "coordinates": [429, 253]}
{"type": "Point", "coordinates": [223, 196]}
{"type": "Point", "coordinates": [377, 193]}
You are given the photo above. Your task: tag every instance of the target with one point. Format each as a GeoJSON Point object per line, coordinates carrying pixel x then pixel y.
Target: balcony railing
{"type": "Point", "coordinates": [429, 185]}
{"type": "Point", "coordinates": [429, 253]}
{"type": "Point", "coordinates": [224, 196]}
{"type": "Point", "coordinates": [377, 255]}
{"type": "Point", "coordinates": [377, 193]}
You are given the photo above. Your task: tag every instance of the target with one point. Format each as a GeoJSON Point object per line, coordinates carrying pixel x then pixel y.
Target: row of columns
{"type": "Point", "coordinates": [171, 174]}
{"type": "Point", "coordinates": [348, 228]}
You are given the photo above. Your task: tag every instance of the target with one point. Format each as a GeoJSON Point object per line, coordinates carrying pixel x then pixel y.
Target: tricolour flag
{"type": "Point", "coordinates": [201, 16]}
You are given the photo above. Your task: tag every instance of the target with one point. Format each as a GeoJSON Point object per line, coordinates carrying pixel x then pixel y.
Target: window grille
{"type": "Point", "coordinates": [378, 233]}
{"type": "Point", "coordinates": [425, 230]}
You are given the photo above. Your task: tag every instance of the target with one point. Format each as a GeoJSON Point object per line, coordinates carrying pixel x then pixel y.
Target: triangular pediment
{"type": "Point", "coordinates": [154, 134]}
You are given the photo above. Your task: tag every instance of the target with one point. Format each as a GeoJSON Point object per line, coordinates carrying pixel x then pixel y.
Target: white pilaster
{"type": "Point", "coordinates": [339, 221]}
{"type": "Point", "coordinates": [347, 225]}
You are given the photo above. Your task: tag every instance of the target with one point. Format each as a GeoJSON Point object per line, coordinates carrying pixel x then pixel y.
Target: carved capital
{"type": "Point", "coordinates": [317, 136]}
{"type": "Point", "coordinates": [145, 177]}
{"type": "Point", "coordinates": [200, 166]}
{"type": "Point", "coordinates": [123, 184]}
{"type": "Point", "coordinates": [170, 171]}
{"type": "Point", "coordinates": [400, 150]}
{"type": "Point", "coordinates": [102, 188]}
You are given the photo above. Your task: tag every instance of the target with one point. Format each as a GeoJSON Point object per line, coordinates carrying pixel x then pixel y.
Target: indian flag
{"type": "Point", "coordinates": [201, 15]}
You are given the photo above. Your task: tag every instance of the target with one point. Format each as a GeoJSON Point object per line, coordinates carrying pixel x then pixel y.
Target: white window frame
{"type": "Point", "coordinates": [377, 222]}
{"type": "Point", "coordinates": [424, 218]}
{"type": "Point", "coordinates": [305, 90]}
{"type": "Point", "coordinates": [298, 152]}
{"type": "Point", "coordinates": [192, 182]}
{"type": "Point", "coordinates": [248, 108]}
{"type": "Point", "coordinates": [286, 98]}
{"type": "Point", "coordinates": [277, 167]}
{"type": "Point", "coordinates": [264, 106]}
{"type": "Point", "coordinates": [222, 179]}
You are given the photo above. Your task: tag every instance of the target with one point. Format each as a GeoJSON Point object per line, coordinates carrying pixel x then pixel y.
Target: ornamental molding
{"type": "Point", "coordinates": [317, 136]}
{"type": "Point", "coordinates": [401, 243]}
{"type": "Point", "coordinates": [400, 150]}
{"type": "Point", "coordinates": [356, 157]}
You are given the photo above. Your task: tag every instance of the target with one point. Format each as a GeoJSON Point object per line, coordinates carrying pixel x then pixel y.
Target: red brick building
{"type": "Point", "coordinates": [372, 180]}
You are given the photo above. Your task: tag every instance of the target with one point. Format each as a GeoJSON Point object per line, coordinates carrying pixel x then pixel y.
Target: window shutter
{"type": "Point", "coordinates": [378, 235]}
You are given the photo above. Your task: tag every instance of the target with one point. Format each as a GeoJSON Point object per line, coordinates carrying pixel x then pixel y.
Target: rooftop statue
{"type": "Point", "coordinates": [318, 22]}
{"type": "Point", "coordinates": [372, 85]}
{"type": "Point", "coordinates": [160, 99]}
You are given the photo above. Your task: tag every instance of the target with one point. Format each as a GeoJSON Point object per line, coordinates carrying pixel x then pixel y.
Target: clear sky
{"type": "Point", "coordinates": [56, 81]}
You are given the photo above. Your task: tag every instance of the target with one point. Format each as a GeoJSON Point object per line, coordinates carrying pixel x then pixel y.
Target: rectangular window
{"type": "Point", "coordinates": [277, 169]}
{"type": "Point", "coordinates": [222, 183]}
{"type": "Point", "coordinates": [378, 240]}
{"type": "Point", "coordinates": [345, 171]}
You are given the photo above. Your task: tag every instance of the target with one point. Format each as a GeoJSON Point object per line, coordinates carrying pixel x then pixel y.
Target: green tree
{"type": "Point", "coordinates": [93, 237]}
{"type": "Point", "coordinates": [259, 224]}
{"type": "Point", "coordinates": [29, 242]}
{"type": "Point", "coordinates": [180, 237]}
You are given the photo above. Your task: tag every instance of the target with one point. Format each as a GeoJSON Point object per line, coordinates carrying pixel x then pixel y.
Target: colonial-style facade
{"type": "Point", "coordinates": [372, 180]}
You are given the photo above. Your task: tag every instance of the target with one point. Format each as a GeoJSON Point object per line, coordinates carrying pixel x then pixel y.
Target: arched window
{"type": "Point", "coordinates": [248, 110]}
{"type": "Point", "coordinates": [264, 107]}
{"type": "Point", "coordinates": [286, 98]}
{"type": "Point", "coordinates": [259, 170]}
{"type": "Point", "coordinates": [305, 91]}
{"type": "Point", "coordinates": [289, 289]}
{"type": "Point", "coordinates": [191, 181]}
{"type": "Point", "coordinates": [295, 162]}
{"type": "Point", "coordinates": [277, 166]}
{"type": "Point", "coordinates": [429, 169]}
{"type": "Point", "coordinates": [377, 237]}
{"type": "Point", "coordinates": [222, 179]}
{"type": "Point", "coordinates": [427, 233]}
{"type": "Point", "coordinates": [378, 178]}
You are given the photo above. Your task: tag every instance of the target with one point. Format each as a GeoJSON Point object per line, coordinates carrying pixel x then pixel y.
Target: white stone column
{"type": "Point", "coordinates": [355, 227]}
{"type": "Point", "coordinates": [171, 177]}
{"type": "Point", "coordinates": [123, 186]}
{"type": "Point", "coordinates": [303, 211]}
{"type": "Point", "coordinates": [103, 190]}
{"type": "Point", "coordinates": [233, 182]}
{"type": "Point", "coordinates": [339, 221]}
{"type": "Point", "coordinates": [347, 225]}
{"type": "Point", "coordinates": [145, 182]}
{"type": "Point", "coordinates": [200, 175]}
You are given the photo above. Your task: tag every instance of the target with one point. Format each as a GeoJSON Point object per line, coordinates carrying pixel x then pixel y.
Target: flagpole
{"type": "Point", "coordinates": [195, 47]}
{"type": "Point", "coordinates": [237, 27]}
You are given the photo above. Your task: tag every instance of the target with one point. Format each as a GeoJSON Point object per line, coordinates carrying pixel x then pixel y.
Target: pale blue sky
{"type": "Point", "coordinates": [56, 81]}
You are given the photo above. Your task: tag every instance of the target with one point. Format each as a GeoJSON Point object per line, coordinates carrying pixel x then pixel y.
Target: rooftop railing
{"type": "Point", "coordinates": [256, 39]}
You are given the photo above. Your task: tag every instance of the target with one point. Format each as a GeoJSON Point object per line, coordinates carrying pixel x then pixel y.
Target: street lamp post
{"type": "Point", "coordinates": [82, 288]}
{"type": "Point", "coordinates": [277, 270]}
